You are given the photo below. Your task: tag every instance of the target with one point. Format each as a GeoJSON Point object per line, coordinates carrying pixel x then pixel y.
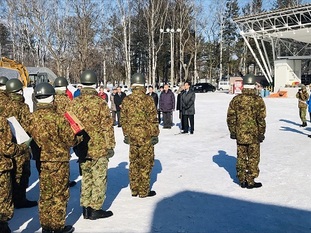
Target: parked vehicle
{"type": "Point", "coordinates": [203, 87]}
{"type": "Point", "coordinates": [223, 85]}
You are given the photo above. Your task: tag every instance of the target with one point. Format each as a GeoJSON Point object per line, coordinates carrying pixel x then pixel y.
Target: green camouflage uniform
{"type": "Point", "coordinates": [54, 136]}
{"type": "Point", "coordinates": [62, 102]}
{"type": "Point", "coordinates": [21, 171]}
{"type": "Point", "coordinates": [139, 123]}
{"type": "Point", "coordinates": [4, 99]}
{"type": "Point", "coordinates": [94, 113]}
{"type": "Point", "coordinates": [246, 121]}
{"type": "Point", "coordinates": [8, 150]}
{"type": "Point", "coordinates": [302, 97]}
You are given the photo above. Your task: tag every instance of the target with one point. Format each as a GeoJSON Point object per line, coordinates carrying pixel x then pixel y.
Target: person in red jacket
{"type": "Point", "coordinates": [102, 94]}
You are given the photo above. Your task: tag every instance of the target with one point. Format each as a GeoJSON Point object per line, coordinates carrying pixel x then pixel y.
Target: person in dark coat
{"type": "Point", "coordinates": [178, 106]}
{"type": "Point", "coordinates": [153, 95]}
{"type": "Point", "coordinates": [187, 106]}
{"type": "Point", "coordinates": [167, 106]}
{"type": "Point", "coordinates": [159, 112]}
{"type": "Point", "coordinates": [118, 98]}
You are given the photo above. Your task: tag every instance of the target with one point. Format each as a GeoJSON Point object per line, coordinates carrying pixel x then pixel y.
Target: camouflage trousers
{"type": "Point", "coordinates": [94, 183]}
{"type": "Point", "coordinates": [248, 157]}
{"type": "Point", "coordinates": [303, 114]}
{"type": "Point", "coordinates": [6, 204]}
{"type": "Point", "coordinates": [20, 177]}
{"type": "Point", "coordinates": [54, 194]}
{"type": "Point", "coordinates": [141, 163]}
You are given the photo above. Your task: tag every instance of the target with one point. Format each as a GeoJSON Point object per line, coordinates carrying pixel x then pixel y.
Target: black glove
{"type": "Point", "coordinates": [126, 140]}
{"type": "Point", "coordinates": [110, 153]}
{"type": "Point", "coordinates": [154, 140]}
{"type": "Point", "coordinates": [261, 137]}
{"type": "Point", "coordinates": [233, 136]}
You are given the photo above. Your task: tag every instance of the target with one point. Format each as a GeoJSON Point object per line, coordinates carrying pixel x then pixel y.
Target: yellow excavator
{"type": "Point", "coordinates": [14, 65]}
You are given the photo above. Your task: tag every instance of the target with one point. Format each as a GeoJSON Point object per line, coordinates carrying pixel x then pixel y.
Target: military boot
{"type": "Point", "coordinates": [66, 229]}
{"type": "Point", "coordinates": [4, 227]}
{"type": "Point", "coordinates": [304, 124]}
{"type": "Point", "coordinates": [254, 185]}
{"type": "Point", "coordinates": [243, 184]}
{"type": "Point", "coordinates": [150, 194]}
{"type": "Point", "coordinates": [86, 212]}
{"type": "Point", "coordinates": [96, 214]}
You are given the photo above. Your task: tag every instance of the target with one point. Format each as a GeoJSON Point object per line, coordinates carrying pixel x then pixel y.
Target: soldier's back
{"type": "Point", "coordinates": [52, 133]}
{"type": "Point", "coordinates": [94, 113]}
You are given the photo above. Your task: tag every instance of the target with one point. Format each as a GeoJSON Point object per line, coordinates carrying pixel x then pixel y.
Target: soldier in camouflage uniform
{"type": "Point", "coordinates": [94, 113]}
{"type": "Point", "coordinates": [246, 122]}
{"type": "Point", "coordinates": [4, 99]}
{"type": "Point", "coordinates": [8, 150]}
{"type": "Point", "coordinates": [62, 102]}
{"type": "Point", "coordinates": [302, 96]}
{"type": "Point", "coordinates": [54, 136]}
{"type": "Point", "coordinates": [21, 163]}
{"type": "Point", "coordinates": [140, 129]}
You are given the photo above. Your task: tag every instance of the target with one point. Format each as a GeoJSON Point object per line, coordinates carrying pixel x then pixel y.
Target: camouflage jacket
{"type": "Point", "coordinates": [8, 149]}
{"type": "Point", "coordinates": [302, 97]}
{"type": "Point", "coordinates": [62, 103]}
{"type": "Point", "coordinates": [4, 99]}
{"type": "Point", "coordinates": [52, 133]}
{"type": "Point", "coordinates": [246, 117]}
{"type": "Point", "coordinates": [94, 114]}
{"type": "Point", "coordinates": [19, 109]}
{"type": "Point", "coordinates": [139, 117]}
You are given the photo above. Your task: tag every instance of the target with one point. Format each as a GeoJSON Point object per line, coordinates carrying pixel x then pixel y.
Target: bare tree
{"type": "Point", "coordinates": [125, 12]}
{"type": "Point", "coordinates": [155, 12]}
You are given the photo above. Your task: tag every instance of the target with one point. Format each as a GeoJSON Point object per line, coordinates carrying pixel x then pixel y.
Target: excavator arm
{"type": "Point", "coordinates": [13, 65]}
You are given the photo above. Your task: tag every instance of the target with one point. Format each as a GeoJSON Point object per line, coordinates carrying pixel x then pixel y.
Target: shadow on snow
{"type": "Point", "coordinates": [190, 211]}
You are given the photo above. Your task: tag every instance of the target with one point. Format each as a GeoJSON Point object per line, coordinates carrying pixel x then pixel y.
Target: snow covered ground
{"type": "Point", "coordinates": [194, 177]}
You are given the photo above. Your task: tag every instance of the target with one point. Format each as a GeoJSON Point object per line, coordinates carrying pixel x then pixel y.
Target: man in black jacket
{"type": "Point", "coordinates": [178, 106]}
{"type": "Point", "coordinates": [118, 98]}
{"type": "Point", "coordinates": [153, 95]}
{"type": "Point", "coordinates": [187, 106]}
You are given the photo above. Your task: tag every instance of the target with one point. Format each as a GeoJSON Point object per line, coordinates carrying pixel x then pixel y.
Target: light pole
{"type": "Point", "coordinates": [171, 31]}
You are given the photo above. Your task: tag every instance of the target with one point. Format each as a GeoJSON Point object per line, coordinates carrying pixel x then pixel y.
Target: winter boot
{"type": "Point", "coordinates": [243, 184]}
{"type": "Point", "coordinates": [255, 185]}
{"type": "Point", "coordinates": [304, 124]}
{"type": "Point", "coordinates": [4, 227]}
{"type": "Point", "coordinates": [25, 204]}
{"type": "Point", "coordinates": [86, 212]}
{"type": "Point", "coordinates": [96, 214]}
{"type": "Point", "coordinates": [66, 229]}
{"type": "Point", "coordinates": [150, 194]}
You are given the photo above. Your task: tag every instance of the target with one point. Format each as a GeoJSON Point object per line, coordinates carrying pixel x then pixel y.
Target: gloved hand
{"type": "Point", "coordinates": [27, 143]}
{"type": "Point", "coordinates": [261, 137]}
{"type": "Point", "coordinates": [154, 140]}
{"type": "Point", "coordinates": [233, 136]}
{"type": "Point", "coordinates": [110, 153]}
{"type": "Point", "coordinates": [126, 140]}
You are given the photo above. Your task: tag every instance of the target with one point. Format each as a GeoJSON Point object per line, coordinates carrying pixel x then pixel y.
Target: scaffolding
{"type": "Point", "coordinates": [287, 30]}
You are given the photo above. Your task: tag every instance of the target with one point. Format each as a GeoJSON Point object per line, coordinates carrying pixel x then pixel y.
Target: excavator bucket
{"type": "Point", "coordinates": [14, 65]}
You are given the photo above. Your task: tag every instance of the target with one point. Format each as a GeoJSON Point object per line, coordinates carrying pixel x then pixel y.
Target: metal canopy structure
{"type": "Point", "coordinates": [287, 30]}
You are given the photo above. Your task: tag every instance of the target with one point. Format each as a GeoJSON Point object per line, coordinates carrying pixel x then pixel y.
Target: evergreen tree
{"type": "Point", "coordinates": [5, 42]}
{"type": "Point", "coordinates": [230, 36]}
{"type": "Point", "coordinates": [279, 4]}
